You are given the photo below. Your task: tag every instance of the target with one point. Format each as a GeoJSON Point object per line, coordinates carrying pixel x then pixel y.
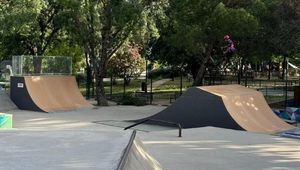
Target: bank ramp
{"type": "Point", "coordinates": [47, 93]}
{"type": "Point", "coordinates": [225, 106]}
{"type": "Point", "coordinates": [74, 149]}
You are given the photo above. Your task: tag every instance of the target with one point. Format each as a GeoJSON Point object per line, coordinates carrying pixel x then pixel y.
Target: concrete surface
{"type": "Point", "coordinates": [5, 102]}
{"type": "Point", "coordinates": [80, 119]}
{"type": "Point", "coordinates": [215, 148]}
{"type": "Point", "coordinates": [76, 133]}
{"type": "Point", "coordinates": [71, 149]}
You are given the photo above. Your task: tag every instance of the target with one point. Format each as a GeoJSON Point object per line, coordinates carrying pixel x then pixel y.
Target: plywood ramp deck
{"type": "Point", "coordinates": [55, 93]}
{"type": "Point", "coordinates": [248, 108]}
{"type": "Point", "coordinates": [226, 106]}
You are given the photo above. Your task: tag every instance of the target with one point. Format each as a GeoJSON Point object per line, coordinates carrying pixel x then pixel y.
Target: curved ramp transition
{"type": "Point", "coordinates": [73, 149]}
{"type": "Point", "coordinates": [47, 93]}
{"type": "Point", "coordinates": [135, 156]}
{"type": "Point", "coordinates": [225, 106]}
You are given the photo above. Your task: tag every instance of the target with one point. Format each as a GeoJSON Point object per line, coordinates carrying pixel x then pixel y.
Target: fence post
{"type": "Point", "coordinates": [111, 85]}
{"type": "Point", "coordinates": [259, 83]}
{"type": "Point", "coordinates": [267, 92]}
{"type": "Point", "coordinates": [151, 94]}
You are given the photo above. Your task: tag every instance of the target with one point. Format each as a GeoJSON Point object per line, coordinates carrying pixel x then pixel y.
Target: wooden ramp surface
{"type": "Point", "coordinates": [248, 108]}
{"type": "Point", "coordinates": [55, 93]}
{"type": "Point", "coordinates": [226, 106]}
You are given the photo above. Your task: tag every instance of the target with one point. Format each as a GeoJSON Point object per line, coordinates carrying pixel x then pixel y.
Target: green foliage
{"type": "Point", "coordinates": [163, 73]}
{"type": "Point", "coordinates": [128, 99]}
{"type": "Point", "coordinates": [181, 34]}
{"type": "Point", "coordinates": [127, 62]}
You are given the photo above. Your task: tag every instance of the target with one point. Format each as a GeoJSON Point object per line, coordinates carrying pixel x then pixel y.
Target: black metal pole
{"type": "Point", "coordinates": [246, 78]}
{"type": "Point", "coordinates": [286, 83]}
{"type": "Point", "coordinates": [146, 81]}
{"type": "Point", "coordinates": [124, 86]}
{"type": "Point", "coordinates": [111, 85]}
{"type": "Point", "coordinates": [151, 97]}
{"type": "Point", "coordinates": [180, 81]}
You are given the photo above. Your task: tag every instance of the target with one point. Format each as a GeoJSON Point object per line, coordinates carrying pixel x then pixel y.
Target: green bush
{"type": "Point", "coordinates": [131, 100]}
{"type": "Point", "coordinates": [164, 73]}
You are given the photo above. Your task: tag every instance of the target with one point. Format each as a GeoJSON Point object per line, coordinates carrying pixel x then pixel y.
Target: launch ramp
{"type": "Point", "coordinates": [225, 106]}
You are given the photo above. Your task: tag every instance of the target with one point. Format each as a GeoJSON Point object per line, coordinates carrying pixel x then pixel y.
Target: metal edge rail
{"type": "Point", "coordinates": [126, 152]}
{"type": "Point", "coordinates": [160, 121]}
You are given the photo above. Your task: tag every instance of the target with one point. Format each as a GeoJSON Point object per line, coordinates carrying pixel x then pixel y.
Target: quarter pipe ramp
{"type": "Point", "coordinates": [226, 106]}
{"type": "Point", "coordinates": [46, 93]}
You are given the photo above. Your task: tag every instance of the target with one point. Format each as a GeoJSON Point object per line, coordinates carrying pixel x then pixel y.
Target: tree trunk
{"type": "Point", "coordinates": [200, 75]}
{"type": "Point", "coordinates": [284, 64]}
{"type": "Point", "coordinates": [269, 70]}
{"type": "Point", "coordinates": [88, 77]}
{"type": "Point", "coordinates": [88, 81]}
{"type": "Point", "coordinates": [37, 65]}
{"type": "Point", "coordinates": [100, 92]}
{"type": "Point", "coordinates": [103, 56]}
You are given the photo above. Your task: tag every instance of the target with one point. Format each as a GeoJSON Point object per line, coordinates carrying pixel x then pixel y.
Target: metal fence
{"type": "Point", "coordinates": [275, 91]}
{"type": "Point", "coordinates": [41, 65]}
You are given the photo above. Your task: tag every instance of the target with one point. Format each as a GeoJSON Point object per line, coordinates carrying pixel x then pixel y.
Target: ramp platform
{"type": "Point", "coordinates": [226, 106]}
{"type": "Point", "coordinates": [47, 93]}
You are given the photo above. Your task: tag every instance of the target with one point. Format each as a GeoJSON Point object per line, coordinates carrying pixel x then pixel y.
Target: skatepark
{"type": "Point", "coordinates": [224, 127]}
{"type": "Point", "coordinates": [150, 85]}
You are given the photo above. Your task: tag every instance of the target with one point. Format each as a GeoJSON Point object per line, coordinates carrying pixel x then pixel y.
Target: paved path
{"type": "Point", "coordinates": [158, 83]}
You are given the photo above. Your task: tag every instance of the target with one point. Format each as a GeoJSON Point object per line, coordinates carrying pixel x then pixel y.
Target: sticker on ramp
{"type": "Point", "coordinates": [20, 85]}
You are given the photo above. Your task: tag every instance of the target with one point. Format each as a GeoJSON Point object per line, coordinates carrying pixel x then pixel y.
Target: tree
{"type": "Point", "coordinates": [104, 26]}
{"type": "Point", "coordinates": [127, 63]}
{"type": "Point", "coordinates": [197, 29]}
{"type": "Point", "coordinates": [29, 27]}
{"type": "Point", "coordinates": [285, 34]}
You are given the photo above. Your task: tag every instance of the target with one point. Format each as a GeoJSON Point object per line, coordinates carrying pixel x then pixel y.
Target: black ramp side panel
{"type": "Point", "coordinates": [20, 95]}
{"type": "Point", "coordinates": [198, 108]}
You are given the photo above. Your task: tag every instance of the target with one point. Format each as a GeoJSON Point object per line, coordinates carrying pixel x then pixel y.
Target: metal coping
{"type": "Point", "coordinates": [126, 152]}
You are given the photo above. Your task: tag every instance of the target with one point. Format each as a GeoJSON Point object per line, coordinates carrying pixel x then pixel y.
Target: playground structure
{"type": "Point", "coordinates": [226, 106]}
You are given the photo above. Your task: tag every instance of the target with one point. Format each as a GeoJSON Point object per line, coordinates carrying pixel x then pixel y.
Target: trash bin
{"type": "Point", "coordinates": [144, 86]}
{"type": "Point", "coordinates": [297, 95]}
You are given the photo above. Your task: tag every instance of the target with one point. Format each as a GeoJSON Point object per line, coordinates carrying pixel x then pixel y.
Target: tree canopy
{"type": "Point", "coordinates": [185, 34]}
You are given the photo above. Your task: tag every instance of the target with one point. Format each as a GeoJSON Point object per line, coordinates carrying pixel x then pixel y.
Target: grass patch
{"type": "Point", "coordinates": [174, 85]}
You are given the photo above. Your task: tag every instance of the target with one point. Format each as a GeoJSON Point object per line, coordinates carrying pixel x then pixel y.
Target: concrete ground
{"type": "Point", "coordinates": [81, 119]}
{"type": "Point", "coordinates": [215, 148]}
{"type": "Point", "coordinates": [67, 140]}
{"type": "Point", "coordinates": [200, 148]}
{"type": "Point", "coordinates": [64, 149]}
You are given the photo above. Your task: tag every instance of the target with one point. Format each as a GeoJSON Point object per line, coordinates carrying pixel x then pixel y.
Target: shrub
{"type": "Point", "coordinates": [131, 100]}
